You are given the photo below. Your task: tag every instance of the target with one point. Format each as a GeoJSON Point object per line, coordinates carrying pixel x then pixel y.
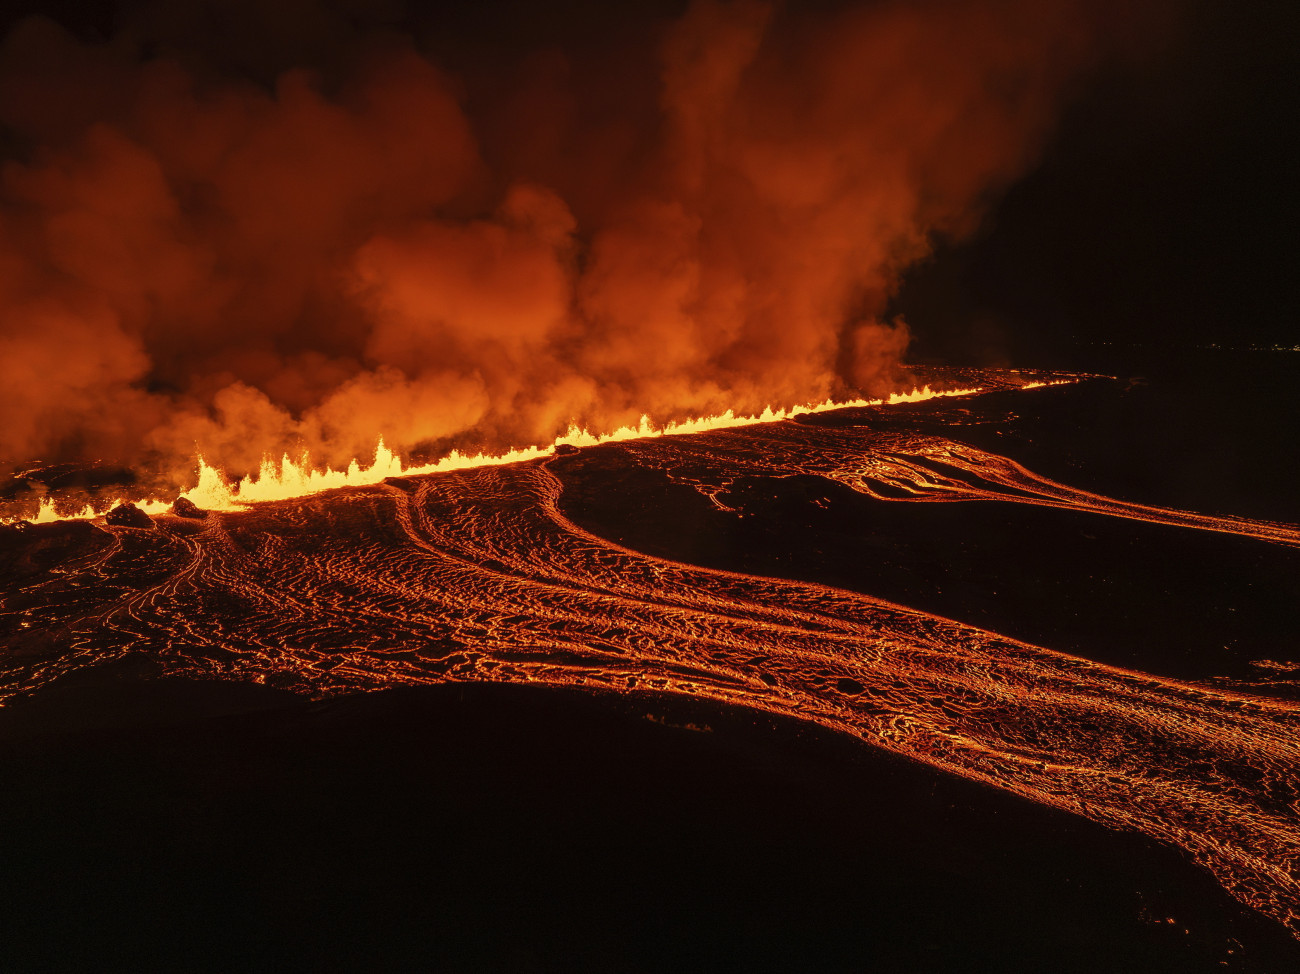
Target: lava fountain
{"type": "Point", "coordinates": [478, 575]}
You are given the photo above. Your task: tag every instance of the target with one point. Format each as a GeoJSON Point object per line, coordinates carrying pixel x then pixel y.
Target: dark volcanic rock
{"type": "Point", "coordinates": [128, 516]}
{"type": "Point", "coordinates": [16, 487]}
{"type": "Point", "coordinates": [28, 550]}
{"type": "Point", "coordinates": [18, 529]}
{"type": "Point", "coordinates": [90, 474]}
{"type": "Point", "coordinates": [586, 820]}
{"type": "Point", "coordinates": [565, 450]}
{"type": "Point", "coordinates": [182, 507]}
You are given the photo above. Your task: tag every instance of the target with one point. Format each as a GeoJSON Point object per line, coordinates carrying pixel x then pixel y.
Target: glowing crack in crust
{"type": "Point", "coordinates": [478, 575]}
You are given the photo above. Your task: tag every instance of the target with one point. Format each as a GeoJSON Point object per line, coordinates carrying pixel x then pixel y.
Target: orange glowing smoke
{"type": "Point", "coordinates": [195, 262]}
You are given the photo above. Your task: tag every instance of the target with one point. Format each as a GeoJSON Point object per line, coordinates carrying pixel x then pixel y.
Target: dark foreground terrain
{"type": "Point", "coordinates": [484, 827]}
{"type": "Point", "coordinates": [490, 721]}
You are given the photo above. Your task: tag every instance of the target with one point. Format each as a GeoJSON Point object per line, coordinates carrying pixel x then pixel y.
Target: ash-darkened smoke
{"type": "Point", "coordinates": [192, 258]}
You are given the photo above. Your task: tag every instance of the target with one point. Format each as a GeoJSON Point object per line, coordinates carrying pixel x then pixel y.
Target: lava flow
{"type": "Point", "coordinates": [479, 575]}
{"type": "Point", "coordinates": [299, 478]}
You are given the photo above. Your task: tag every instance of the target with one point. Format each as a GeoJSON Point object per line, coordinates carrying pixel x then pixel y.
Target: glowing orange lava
{"type": "Point", "coordinates": [289, 478]}
{"type": "Point", "coordinates": [480, 576]}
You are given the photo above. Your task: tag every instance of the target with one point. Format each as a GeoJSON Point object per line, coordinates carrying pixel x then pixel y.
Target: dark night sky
{"type": "Point", "coordinates": [1163, 212]}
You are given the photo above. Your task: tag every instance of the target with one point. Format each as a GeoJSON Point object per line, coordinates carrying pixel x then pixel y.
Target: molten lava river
{"type": "Point", "coordinates": [884, 572]}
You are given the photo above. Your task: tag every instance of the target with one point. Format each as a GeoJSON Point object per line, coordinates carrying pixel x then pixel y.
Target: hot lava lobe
{"type": "Point", "coordinates": [656, 566]}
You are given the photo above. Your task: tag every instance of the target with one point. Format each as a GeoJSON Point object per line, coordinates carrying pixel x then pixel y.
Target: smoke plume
{"type": "Point", "coordinates": [212, 256]}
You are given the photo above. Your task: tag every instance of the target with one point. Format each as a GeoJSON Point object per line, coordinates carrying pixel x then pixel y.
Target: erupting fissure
{"type": "Point", "coordinates": [717, 211]}
{"type": "Point", "coordinates": [291, 478]}
{"type": "Point", "coordinates": [488, 576]}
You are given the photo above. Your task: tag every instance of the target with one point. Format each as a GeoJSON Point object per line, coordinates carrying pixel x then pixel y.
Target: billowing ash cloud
{"type": "Point", "coordinates": [193, 260]}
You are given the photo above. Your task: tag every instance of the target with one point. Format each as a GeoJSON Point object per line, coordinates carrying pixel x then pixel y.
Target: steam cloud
{"type": "Point", "coordinates": [191, 260]}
